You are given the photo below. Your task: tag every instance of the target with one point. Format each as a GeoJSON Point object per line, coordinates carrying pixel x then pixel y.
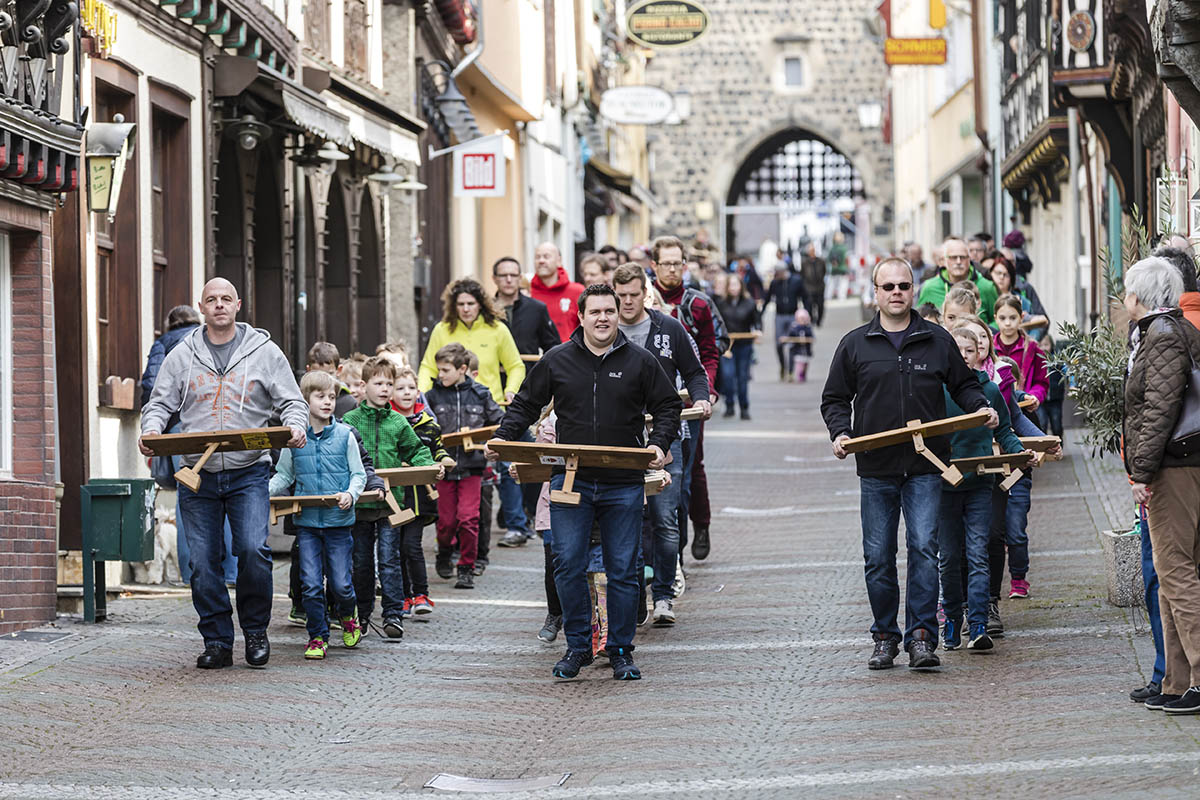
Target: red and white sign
{"type": "Point", "coordinates": [479, 169]}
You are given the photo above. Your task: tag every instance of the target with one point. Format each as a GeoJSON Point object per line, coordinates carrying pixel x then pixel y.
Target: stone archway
{"type": "Point", "coordinates": [794, 185]}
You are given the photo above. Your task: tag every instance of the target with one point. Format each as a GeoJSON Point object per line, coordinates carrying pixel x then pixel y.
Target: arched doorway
{"type": "Point", "coordinates": [230, 261]}
{"type": "Point", "coordinates": [370, 327]}
{"type": "Point", "coordinates": [795, 185]}
{"type": "Point", "coordinates": [268, 300]}
{"type": "Point", "coordinates": [338, 297]}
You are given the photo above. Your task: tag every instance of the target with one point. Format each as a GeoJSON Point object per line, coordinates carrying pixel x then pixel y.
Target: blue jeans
{"type": "Point", "coordinates": [512, 502]}
{"type": "Point", "coordinates": [881, 501]}
{"type": "Point", "coordinates": [371, 539]}
{"type": "Point", "coordinates": [1150, 583]}
{"type": "Point", "coordinates": [735, 375]}
{"type": "Point", "coordinates": [228, 564]}
{"type": "Point", "coordinates": [1016, 520]}
{"type": "Point", "coordinates": [966, 518]}
{"type": "Point", "coordinates": [239, 498]}
{"type": "Point", "coordinates": [325, 555]}
{"type": "Point", "coordinates": [664, 516]}
{"type": "Point", "coordinates": [618, 510]}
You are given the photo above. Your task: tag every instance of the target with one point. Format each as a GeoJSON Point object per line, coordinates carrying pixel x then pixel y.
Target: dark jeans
{"type": "Point", "coordinates": [484, 538]}
{"type": "Point", "coordinates": [735, 374]}
{"type": "Point", "coordinates": [1150, 584]}
{"type": "Point", "coordinates": [1009, 534]}
{"type": "Point", "coordinates": [1049, 416]}
{"type": "Point", "coordinates": [966, 517]}
{"type": "Point", "coordinates": [241, 496]}
{"type": "Point", "coordinates": [325, 554]}
{"type": "Point", "coordinates": [688, 446]}
{"type": "Point", "coordinates": [664, 516]}
{"type": "Point", "coordinates": [553, 606]}
{"type": "Point", "coordinates": [816, 302]}
{"type": "Point", "coordinates": [782, 323]}
{"type": "Point", "coordinates": [618, 510]}
{"type": "Point", "coordinates": [412, 560]}
{"type": "Point", "coordinates": [228, 564]}
{"type": "Point", "coordinates": [881, 502]}
{"type": "Point", "coordinates": [377, 542]}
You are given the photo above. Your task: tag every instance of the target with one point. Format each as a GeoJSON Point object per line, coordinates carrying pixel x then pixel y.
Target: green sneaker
{"type": "Point", "coordinates": [351, 632]}
{"type": "Point", "coordinates": [297, 616]}
{"type": "Point", "coordinates": [315, 649]}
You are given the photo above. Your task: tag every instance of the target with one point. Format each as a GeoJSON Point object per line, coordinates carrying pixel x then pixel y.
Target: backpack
{"type": "Point", "coordinates": [690, 296]}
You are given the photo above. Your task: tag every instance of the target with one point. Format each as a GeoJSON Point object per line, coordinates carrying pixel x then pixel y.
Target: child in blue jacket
{"type": "Point", "coordinates": [328, 464]}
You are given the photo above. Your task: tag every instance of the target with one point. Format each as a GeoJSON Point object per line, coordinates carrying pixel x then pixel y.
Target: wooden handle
{"type": "Point", "coordinates": [207, 454]}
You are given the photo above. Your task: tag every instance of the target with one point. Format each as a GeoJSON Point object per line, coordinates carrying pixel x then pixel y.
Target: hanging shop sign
{"type": "Point", "coordinates": [98, 22]}
{"type": "Point", "coordinates": [666, 23]}
{"type": "Point", "coordinates": [479, 168]}
{"type": "Point", "coordinates": [636, 105]}
{"type": "Point", "coordinates": [923, 52]}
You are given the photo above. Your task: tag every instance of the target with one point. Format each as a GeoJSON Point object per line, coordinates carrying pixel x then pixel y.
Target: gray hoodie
{"type": "Point", "coordinates": [257, 384]}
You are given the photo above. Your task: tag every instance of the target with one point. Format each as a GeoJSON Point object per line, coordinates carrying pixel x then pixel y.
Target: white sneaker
{"type": "Point", "coordinates": [664, 612]}
{"type": "Point", "coordinates": [679, 584]}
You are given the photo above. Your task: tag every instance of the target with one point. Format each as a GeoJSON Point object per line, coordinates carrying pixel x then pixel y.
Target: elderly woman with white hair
{"type": "Point", "coordinates": [1166, 477]}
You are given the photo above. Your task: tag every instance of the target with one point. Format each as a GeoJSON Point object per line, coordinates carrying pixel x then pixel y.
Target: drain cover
{"type": "Point", "coordinates": [460, 783]}
{"type": "Point", "coordinates": [35, 636]}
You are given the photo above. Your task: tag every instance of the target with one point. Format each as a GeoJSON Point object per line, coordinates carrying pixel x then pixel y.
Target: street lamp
{"type": "Point", "coordinates": [386, 176]}
{"type": "Point", "coordinates": [248, 131]}
{"type": "Point", "coordinates": [109, 146]}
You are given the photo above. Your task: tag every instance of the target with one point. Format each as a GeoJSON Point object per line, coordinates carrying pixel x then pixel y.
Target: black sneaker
{"type": "Point", "coordinates": [393, 628]}
{"type": "Point", "coordinates": [1143, 694]}
{"type": "Point", "coordinates": [921, 653]}
{"type": "Point", "coordinates": [1188, 704]}
{"type": "Point", "coordinates": [621, 659]}
{"type": "Point", "coordinates": [445, 569]}
{"type": "Point", "coordinates": [466, 580]}
{"type": "Point", "coordinates": [995, 626]}
{"type": "Point", "coordinates": [745, 413]}
{"type": "Point", "coordinates": [1157, 702]}
{"type": "Point", "coordinates": [258, 648]}
{"type": "Point", "coordinates": [480, 565]}
{"type": "Point", "coordinates": [700, 543]}
{"type": "Point", "coordinates": [570, 664]}
{"type": "Point", "coordinates": [729, 412]}
{"type": "Point", "coordinates": [550, 628]}
{"type": "Point", "coordinates": [886, 650]}
{"type": "Point", "coordinates": [215, 657]}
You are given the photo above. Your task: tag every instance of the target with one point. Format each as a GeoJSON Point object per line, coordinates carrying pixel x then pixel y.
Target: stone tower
{"type": "Point", "coordinates": [768, 76]}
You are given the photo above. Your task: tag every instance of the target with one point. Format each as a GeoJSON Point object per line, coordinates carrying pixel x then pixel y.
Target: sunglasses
{"type": "Point", "coordinates": [890, 287]}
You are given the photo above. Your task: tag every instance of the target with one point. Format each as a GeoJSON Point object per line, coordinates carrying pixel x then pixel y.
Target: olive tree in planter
{"type": "Point", "coordinates": [1095, 363]}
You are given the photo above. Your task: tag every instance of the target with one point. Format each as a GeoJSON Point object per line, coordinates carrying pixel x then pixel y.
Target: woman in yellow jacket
{"type": "Point", "coordinates": [488, 338]}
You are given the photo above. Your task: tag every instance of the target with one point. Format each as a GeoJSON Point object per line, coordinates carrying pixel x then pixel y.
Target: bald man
{"type": "Point", "coordinates": [226, 375]}
{"type": "Point", "coordinates": [552, 286]}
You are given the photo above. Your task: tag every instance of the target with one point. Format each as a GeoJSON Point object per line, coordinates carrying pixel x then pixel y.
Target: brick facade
{"type": "Point", "coordinates": [27, 520]}
{"type": "Point", "coordinates": [738, 100]}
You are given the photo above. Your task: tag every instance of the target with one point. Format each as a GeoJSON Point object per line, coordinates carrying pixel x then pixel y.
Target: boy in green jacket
{"type": "Point", "coordinates": [966, 511]}
{"type": "Point", "coordinates": [391, 442]}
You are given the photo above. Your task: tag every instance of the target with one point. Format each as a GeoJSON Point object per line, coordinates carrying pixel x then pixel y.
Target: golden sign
{"type": "Point", "coordinates": [666, 23]}
{"type": "Point", "coordinates": [99, 22]}
{"type": "Point", "coordinates": [929, 51]}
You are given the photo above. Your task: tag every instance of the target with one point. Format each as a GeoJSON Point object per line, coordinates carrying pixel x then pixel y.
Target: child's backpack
{"type": "Point", "coordinates": [690, 296]}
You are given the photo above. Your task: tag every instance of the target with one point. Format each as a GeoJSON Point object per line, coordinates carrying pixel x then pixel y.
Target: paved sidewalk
{"type": "Point", "coordinates": [761, 690]}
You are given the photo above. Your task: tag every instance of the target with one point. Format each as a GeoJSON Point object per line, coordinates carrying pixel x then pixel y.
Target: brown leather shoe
{"type": "Point", "coordinates": [921, 649]}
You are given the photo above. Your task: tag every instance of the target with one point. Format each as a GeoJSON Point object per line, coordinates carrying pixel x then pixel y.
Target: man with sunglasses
{"type": "Point", "coordinates": [884, 374]}
{"type": "Point", "coordinates": [959, 268]}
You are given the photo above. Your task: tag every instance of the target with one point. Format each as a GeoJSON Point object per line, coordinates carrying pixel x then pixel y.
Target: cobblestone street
{"type": "Point", "coordinates": [761, 690]}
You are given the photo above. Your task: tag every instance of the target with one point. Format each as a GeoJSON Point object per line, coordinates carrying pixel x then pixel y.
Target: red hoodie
{"type": "Point", "coordinates": [560, 300]}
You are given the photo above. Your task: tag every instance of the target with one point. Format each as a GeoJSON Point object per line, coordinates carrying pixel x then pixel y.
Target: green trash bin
{"type": "Point", "coordinates": [118, 525]}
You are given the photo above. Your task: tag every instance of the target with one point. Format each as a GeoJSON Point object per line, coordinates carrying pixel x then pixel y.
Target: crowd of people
{"type": "Point", "coordinates": [542, 356]}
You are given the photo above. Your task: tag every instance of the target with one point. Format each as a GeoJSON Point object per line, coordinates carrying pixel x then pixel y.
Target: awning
{"type": "Point", "coordinates": [311, 113]}
{"type": "Point", "coordinates": [610, 176]}
{"type": "Point", "coordinates": [372, 131]}
{"type": "Point", "coordinates": [302, 107]}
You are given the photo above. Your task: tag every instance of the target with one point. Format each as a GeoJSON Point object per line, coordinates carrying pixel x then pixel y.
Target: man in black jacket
{"type": "Point", "coordinates": [667, 341]}
{"type": "Point", "coordinates": [528, 320]}
{"type": "Point", "coordinates": [787, 293]}
{"type": "Point", "coordinates": [885, 373]}
{"type": "Point", "coordinates": [602, 385]}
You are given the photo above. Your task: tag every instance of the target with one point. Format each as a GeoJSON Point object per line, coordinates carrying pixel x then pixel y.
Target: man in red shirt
{"type": "Point", "coordinates": [552, 286]}
{"type": "Point", "coordinates": [697, 318]}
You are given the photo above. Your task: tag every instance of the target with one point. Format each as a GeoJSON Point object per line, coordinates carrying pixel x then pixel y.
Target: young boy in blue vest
{"type": "Point", "coordinates": [329, 464]}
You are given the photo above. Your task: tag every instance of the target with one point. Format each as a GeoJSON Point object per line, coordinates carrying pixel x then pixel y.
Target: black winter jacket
{"type": "Point", "coordinates": [788, 294]}
{"type": "Point", "coordinates": [531, 327]}
{"type": "Point", "coordinates": [464, 405]}
{"type": "Point", "coordinates": [886, 389]}
{"type": "Point", "coordinates": [599, 400]}
{"type": "Point", "coordinates": [741, 315]}
{"type": "Point", "coordinates": [670, 343]}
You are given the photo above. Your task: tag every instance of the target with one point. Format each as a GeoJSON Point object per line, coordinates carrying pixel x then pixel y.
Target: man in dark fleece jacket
{"type": "Point", "coordinates": [885, 373]}
{"type": "Point", "coordinates": [602, 385]}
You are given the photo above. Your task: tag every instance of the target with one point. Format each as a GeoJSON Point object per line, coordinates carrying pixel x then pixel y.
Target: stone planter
{"type": "Point", "coordinates": [1123, 567]}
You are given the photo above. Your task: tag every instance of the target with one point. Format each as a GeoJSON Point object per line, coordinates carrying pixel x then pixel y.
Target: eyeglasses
{"type": "Point", "coordinates": [891, 287]}
{"type": "Point", "coordinates": [670, 264]}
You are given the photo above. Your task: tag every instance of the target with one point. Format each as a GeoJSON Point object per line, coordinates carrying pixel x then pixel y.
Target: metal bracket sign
{"type": "Point", "coordinates": [923, 52]}
{"type": "Point", "coordinates": [666, 23]}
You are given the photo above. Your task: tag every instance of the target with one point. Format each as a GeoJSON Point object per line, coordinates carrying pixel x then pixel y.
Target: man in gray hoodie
{"type": "Point", "coordinates": [226, 375]}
